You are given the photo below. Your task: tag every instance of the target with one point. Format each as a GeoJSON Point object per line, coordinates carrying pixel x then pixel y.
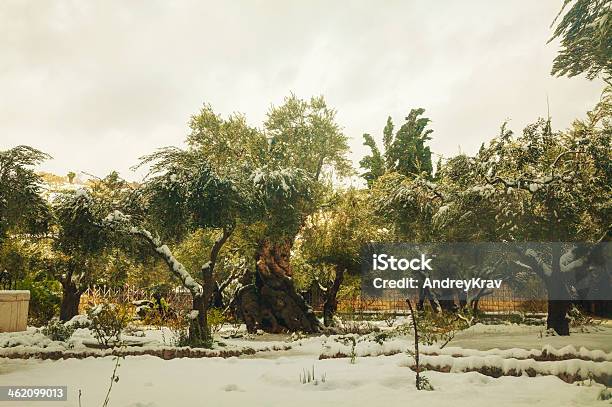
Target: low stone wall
{"type": "Point", "coordinates": [14, 306]}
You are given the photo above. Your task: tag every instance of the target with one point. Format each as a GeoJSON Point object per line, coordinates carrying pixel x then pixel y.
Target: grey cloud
{"type": "Point", "coordinates": [98, 84]}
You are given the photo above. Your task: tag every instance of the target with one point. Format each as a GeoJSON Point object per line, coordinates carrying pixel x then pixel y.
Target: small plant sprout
{"type": "Point", "coordinates": [308, 376]}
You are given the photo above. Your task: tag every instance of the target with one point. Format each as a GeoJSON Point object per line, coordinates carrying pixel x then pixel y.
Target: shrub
{"type": "Point", "coordinates": [107, 322]}
{"type": "Point", "coordinates": [579, 320]}
{"type": "Point", "coordinates": [45, 298]}
{"type": "Point", "coordinates": [216, 319]}
{"type": "Point", "coordinates": [438, 326]}
{"type": "Point", "coordinates": [58, 331]}
{"type": "Point", "coordinates": [79, 321]}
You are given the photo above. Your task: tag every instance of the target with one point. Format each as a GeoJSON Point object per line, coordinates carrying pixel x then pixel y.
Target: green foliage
{"type": "Point", "coordinates": [19, 260]}
{"type": "Point", "coordinates": [538, 186]}
{"type": "Point", "coordinates": [585, 31]}
{"type": "Point", "coordinates": [215, 319]}
{"type": "Point", "coordinates": [282, 198]}
{"type": "Point", "coordinates": [108, 321]}
{"type": "Point", "coordinates": [23, 208]}
{"type": "Point", "coordinates": [45, 298]}
{"type": "Point", "coordinates": [77, 215]}
{"type": "Point", "coordinates": [437, 327]}
{"type": "Point", "coordinates": [547, 186]}
{"type": "Point", "coordinates": [23, 266]}
{"type": "Point", "coordinates": [332, 237]}
{"type": "Point", "coordinates": [424, 384]}
{"type": "Point", "coordinates": [58, 331]}
{"type": "Point", "coordinates": [374, 164]}
{"type": "Point", "coordinates": [605, 394]}
{"type": "Point", "coordinates": [404, 153]}
{"type": "Point", "coordinates": [280, 171]}
{"type": "Point", "coordinates": [579, 320]}
{"type": "Point", "coordinates": [304, 134]}
{"type": "Point", "coordinates": [184, 193]}
{"type": "Point", "coordinates": [232, 147]}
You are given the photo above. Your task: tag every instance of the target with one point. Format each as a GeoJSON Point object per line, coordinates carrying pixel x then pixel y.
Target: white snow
{"type": "Point", "coordinates": [383, 381]}
{"type": "Point", "coordinates": [271, 377]}
{"type": "Point", "coordinates": [180, 270]}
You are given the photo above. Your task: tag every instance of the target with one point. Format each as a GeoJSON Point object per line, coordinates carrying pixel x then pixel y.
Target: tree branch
{"type": "Point", "coordinates": [120, 222]}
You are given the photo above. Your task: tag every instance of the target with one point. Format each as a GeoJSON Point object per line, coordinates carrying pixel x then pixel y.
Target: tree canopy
{"type": "Point", "coordinates": [585, 31]}
{"type": "Point", "coordinates": [404, 152]}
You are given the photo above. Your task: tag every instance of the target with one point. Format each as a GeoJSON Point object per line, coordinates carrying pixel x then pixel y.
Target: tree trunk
{"type": "Point", "coordinates": [277, 307]}
{"type": "Point", "coordinates": [557, 290]}
{"type": "Point", "coordinates": [447, 303]}
{"type": "Point", "coordinates": [416, 345]}
{"type": "Point", "coordinates": [557, 319]}
{"type": "Point", "coordinates": [217, 297]}
{"type": "Point", "coordinates": [421, 302]}
{"type": "Point", "coordinates": [331, 303]}
{"type": "Point", "coordinates": [71, 298]}
{"type": "Point", "coordinates": [463, 300]}
{"type": "Point", "coordinates": [199, 333]}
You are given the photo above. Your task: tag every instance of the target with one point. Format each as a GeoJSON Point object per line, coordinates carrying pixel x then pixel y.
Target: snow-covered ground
{"type": "Point", "coordinates": [272, 378]}
{"type": "Point", "coordinates": [486, 337]}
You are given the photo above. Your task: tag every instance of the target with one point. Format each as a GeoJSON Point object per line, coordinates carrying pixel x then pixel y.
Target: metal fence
{"type": "Point", "coordinates": [502, 301]}
{"type": "Point", "coordinates": [177, 299]}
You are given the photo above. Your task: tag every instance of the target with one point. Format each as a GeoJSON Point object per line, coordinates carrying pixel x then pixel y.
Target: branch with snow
{"type": "Point", "coordinates": [532, 261]}
{"type": "Point", "coordinates": [122, 223]}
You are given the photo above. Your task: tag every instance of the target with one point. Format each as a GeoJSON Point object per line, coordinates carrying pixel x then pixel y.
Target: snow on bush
{"type": "Point", "coordinates": [546, 353]}
{"type": "Point", "coordinates": [29, 340]}
{"type": "Point", "coordinates": [496, 366]}
{"type": "Point", "coordinates": [336, 347]}
{"type": "Point", "coordinates": [57, 330]}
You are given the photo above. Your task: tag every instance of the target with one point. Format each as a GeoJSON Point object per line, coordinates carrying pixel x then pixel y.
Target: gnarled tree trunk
{"type": "Point", "coordinates": [273, 304]}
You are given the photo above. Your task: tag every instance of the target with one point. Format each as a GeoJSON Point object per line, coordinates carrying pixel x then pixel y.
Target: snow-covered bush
{"type": "Point", "coordinates": [579, 320]}
{"type": "Point", "coordinates": [107, 322]}
{"type": "Point", "coordinates": [605, 394]}
{"type": "Point", "coordinates": [79, 321]}
{"type": "Point", "coordinates": [56, 330]}
{"type": "Point", "coordinates": [358, 327]}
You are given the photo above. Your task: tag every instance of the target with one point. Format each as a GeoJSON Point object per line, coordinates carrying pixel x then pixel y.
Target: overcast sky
{"type": "Point", "coordinates": [97, 84]}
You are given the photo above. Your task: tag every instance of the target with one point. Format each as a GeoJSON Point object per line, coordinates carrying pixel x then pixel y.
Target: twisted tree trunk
{"type": "Point", "coordinates": [274, 305]}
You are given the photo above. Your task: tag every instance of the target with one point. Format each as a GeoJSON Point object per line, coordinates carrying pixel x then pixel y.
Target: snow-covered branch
{"type": "Point", "coordinates": [233, 276]}
{"type": "Point", "coordinates": [534, 262]}
{"type": "Point", "coordinates": [121, 222]}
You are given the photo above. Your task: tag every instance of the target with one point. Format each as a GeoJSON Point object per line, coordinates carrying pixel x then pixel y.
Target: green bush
{"type": "Point", "coordinates": [58, 331]}
{"type": "Point", "coordinates": [107, 322]}
{"type": "Point", "coordinates": [215, 319]}
{"type": "Point", "coordinates": [45, 299]}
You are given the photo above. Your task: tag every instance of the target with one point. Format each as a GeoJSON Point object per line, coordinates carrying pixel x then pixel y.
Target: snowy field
{"type": "Point", "coordinates": [272, 377]}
